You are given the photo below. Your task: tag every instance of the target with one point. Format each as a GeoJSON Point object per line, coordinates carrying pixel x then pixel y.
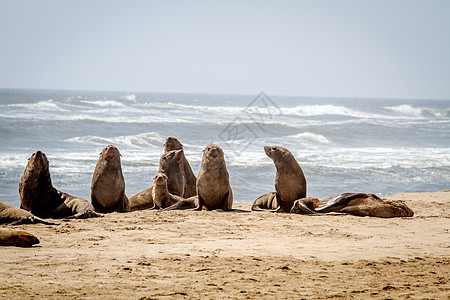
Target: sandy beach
{"type": "Point", "coordinates": [240, 254]}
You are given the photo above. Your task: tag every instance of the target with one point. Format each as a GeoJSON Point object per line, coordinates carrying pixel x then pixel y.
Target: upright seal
{"type": "Point", "coordinates": [191, 181]}
{"type": "Point", "coordinates": [108, 185]}
{"type": "Point", "coordinates": [290, 182]}
{"type": "Point", "coordinates": [38, 195]}
{"type": "Point", "coordinates": [171, 164]}
{"type": "Point", "coordinates": [213, 185]}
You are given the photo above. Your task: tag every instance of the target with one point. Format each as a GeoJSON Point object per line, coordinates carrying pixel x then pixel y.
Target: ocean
{"type": "Point", "coordinates": [380, 146]}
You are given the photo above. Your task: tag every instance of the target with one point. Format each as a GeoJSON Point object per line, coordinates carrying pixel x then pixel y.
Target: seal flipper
{"type": "Point", "coordinates": [124, 204]}
{"type": "Point", "coordinates": [31, 220]}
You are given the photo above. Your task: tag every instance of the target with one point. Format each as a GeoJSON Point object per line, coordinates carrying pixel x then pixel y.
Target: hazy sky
{"type": "Point", "coordinates": [335, 48]}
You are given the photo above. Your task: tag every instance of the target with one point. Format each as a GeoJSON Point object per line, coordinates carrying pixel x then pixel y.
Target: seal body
{"type": "Point", "coordinates": [266, 201]}
{"type": "Point", "coordinates": [290, 182]}
{"type": "Point", "coordinates": [108, 184]}
{"type": "Point", "coordinates": [171, 164]}
{"type": "Point", "coordinates": [16, 216]}
{"type": "Point", "coordinates": [357, 204]}
{"type": "Point", "coordinates": [17, 238]}
{"type": "Point", "coordinates": [161, 196]}
{"type": "Point", "coordinates": [213, 185]}
{"type": "Point", "coordinates": [190, 190]}
{"type": "Point", "coordinates": [38, 195]}
{"type": "Point", "coordinates": [142, 200]}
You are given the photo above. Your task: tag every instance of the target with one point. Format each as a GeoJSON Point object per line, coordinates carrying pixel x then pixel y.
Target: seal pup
{"type": "Point", "coordinates": [290, 182]}
{"type": "Point", "coordinates": [171, 164]}
{"type": "Point", "coordinates": [108, 185]}
{"type": "Point", "coordinates": [357, 204]}
{"type": "Point", "coordinates": [266, 201]}
{"type": "Point", "coordinates": [17, 238]}
{"type": "Point", "coordinates": [16, 216]}
{"type": "Point", "coordinates": [161, 196]}
{"type": "Point", "coordinates": [190, 190]}
{"type": "Point", "coordinates": [213, 185]}
{"type": "Point", "coordinates": [38, 195]}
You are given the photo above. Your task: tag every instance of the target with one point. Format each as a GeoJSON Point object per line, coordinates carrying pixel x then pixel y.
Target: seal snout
{"type": "Point", "coordinates": [111, 152]}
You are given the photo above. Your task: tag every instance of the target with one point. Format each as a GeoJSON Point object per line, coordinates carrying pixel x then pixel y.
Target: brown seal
{"type": "Point", "coordinates": [266, 201]}
{"type": "Point", "coordinates": [357, 204]}
{"type": "Point", "coordinates": [171, 164]}
{"type": "Point", "coordinates": [290, 182]}
{"type": "Point", "coordinates": [38, 195]}
{"type": "Point", "coordinates": [16, 216]}
{"type": "Point", "coordinates": [108, 185]}
{"type": "Point", "coordinates": [17, 238]}
{"type": "Point", "coordinates": [142, 200]}
{"type": "Point", "coordinates": [191, 181]}
{"type": "Point", "coordinates": [160, 193]}
{"type": "Point", "coordinates": [213, 185]}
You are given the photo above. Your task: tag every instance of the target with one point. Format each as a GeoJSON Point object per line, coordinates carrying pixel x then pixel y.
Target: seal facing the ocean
{"type": "Point", "coordinates": [190, 190]}
{"type": "Point", "coordinates": [17, 238]}
{"type": "Point", "coordinates": [213, 185]}
{"type": "Point", "coordinates": [290, 182]}
{"type": "Point", "coordinates": [108, 185]}
{"type": "Point", "coordinates": [38, 195]}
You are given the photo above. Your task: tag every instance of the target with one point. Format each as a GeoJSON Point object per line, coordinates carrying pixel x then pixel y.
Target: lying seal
{"type": "Point", "coordinates": [142, 200]}
{"type": "Point", "coordinates": [161, 196]}
{"type": "Point", "coordinates": [108, 185]}
{"type": "Point", "coordinates": [38, 195]}
{"type": "Point", "coordinates": [16, 216]}
{"type": "Point", "coordinates": [171, 164]}
{"type": "Point", "coordinates": [17, 238]}
{"type": "Point", "coordinates": [357, 204]}
{"type": "Point", "coordinates": [290, 182]}
{"type": "Point", "coordinates": [266, 201]}
{"type": "Point", "coordinates": [191, 181]}
{"type": "Point", "coordinates": [213, 186]}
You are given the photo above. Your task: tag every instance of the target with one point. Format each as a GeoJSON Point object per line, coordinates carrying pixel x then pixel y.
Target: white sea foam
{"type": "Point", "coordinates": [104, 103]}
{"type": "Point", "coordinates": [309, 138]}
{"type": "Point", "coordinates": [47, 105]}
{"type": "Point", "coordinates": [131, 98]}
{"type": "Point", "coordinates": [142, 140]}
{"type": "Point", "coordinates": [408, 110]}
{"type": "Point", "coordinates": [317, 110]}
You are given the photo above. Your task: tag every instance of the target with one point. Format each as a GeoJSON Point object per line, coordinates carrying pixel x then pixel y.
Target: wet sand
{"type": "Point", "coordinates": [239, 254]}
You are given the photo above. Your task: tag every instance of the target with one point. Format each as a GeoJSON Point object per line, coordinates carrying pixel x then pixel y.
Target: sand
{"type": "Point", "coordinates": [241, 254]}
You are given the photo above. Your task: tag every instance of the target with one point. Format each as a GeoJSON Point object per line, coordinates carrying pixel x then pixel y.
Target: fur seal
{"type": "Point", "coordinates": [16, 216]}
{"type": "Point", "coordinates": [17, 238]}
{"type": "Point", "coordinates": [38, 195]}
{"type": "Point", "coordinates": [142, 200]}
{"type": "Point", "coordinates": [290, 182]}
{"type": "Point", "coordinates": [171, 164]}
{"type": "Point", "coordinates": [190, 190]}
{"type": "Point", "coordinates": [161, 196]}
{"type": "Point", "coordinates": [108, 185]}
{"type": "Point", "coordinates": [357, 204]}
{"type": "Point", "coordinates": [266, 201]}
{"type": "Point", "coordinates": [213, 185]}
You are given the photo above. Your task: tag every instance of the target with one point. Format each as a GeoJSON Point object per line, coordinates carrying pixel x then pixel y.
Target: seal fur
{"type": "Point", "coordinates": [290, 182]}
{"type": "Point", "coordinates": [17, 238]}
{"type": "Point", "coordinates": [161, 196]}
{"type": "Point", "coordinates": [16, 216]}
{"type": "Point", "coordinates": [38, 195]}
{"type": "Point", "coordinates": [171, 164]}
{"type": "Point", "coordinates": [190, 190]}
{"type": "Point", "coordinates": [213, 185]}
{"type": "Point", "coordinates": [108, 184]}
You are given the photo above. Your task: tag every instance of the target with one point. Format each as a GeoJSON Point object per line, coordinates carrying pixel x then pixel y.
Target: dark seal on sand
{"type": "Point", "coordinates": [108, 185]}
{"type": "Point", "coordinates": [17, 216]}
{"type": "Point", "coordinates": [290, 182]}
{"type": "Point", "coordinates": [17, 238]}
{"type": "Point", "coordinates": [213, 185]}
{"type": "Point", "coordinates": [191, 181]}
{"type": "Point", "coordinates": [38, 195]}
{"type": "Point", "coordinates": [171, 164]}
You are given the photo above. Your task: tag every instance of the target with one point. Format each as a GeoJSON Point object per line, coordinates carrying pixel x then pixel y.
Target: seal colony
{"type": "Point", "coordinates": [176, 187]}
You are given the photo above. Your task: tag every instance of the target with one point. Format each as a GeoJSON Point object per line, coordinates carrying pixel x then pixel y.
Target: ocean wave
{"type": "Point", "coordinates": [131, 98]}
{"type": "Point", "coordinates": [318, 110]}
{"type": "Point", "coordinates": [142, 140]}
{"type": "Point", "coordinates": [411, 111]}
{"type": "Point", "coordinates": [47, 105]}
{"type": "Point", "coordinates": [309, 138]}
{"type": "Point", "coordinates": [103, 103]}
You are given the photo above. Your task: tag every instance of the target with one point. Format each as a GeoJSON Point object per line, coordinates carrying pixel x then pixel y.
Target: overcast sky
{"type": "Point", "coordinates": [398, 49]}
